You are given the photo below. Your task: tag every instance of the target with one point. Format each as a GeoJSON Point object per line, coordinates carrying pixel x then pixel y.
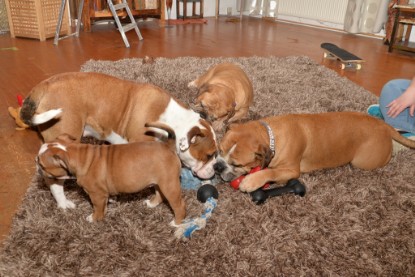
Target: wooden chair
{"type": "Point", "coordinates": [184, 4]}
{"type": "Point", "coordinates": [405, 16]}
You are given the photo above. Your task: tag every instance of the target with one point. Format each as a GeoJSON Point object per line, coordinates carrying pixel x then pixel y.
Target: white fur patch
{"type": "Point", "coordinates": [59, 146]}
{"type": "Point", "coordinates": [115, 138]}
{"type": "Point", "coordinates": [46, 116]}
{"type": "Point", "coordinates": [231, 150]}
{"type": "Point", "coordinates": [58, 194]}
{"type": "Point", "coordinates": [206, 171]}
{"type": "Point", "coordinates": [148, 203]}
{"type": "Point", "coordinates": [180, 119]}
{"type": "Point", "coordinates": [183, 145]}
{"type": "Point", "coordinates": [173, 224]}
{"type": "Point", "coordinates": [43, 148]}
{"type": "Point", "coordinates": [89, 131]}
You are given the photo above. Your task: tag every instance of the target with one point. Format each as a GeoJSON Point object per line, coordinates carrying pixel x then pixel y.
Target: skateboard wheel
{"type": "Point", "coordinates": [358, 66]}
{"type": "Point", "coordinates": [325, 55]}
{"type": "Point", "coordinates": [343, 66]}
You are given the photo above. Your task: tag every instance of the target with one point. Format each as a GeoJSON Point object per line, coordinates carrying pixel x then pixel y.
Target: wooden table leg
{"type": "Point", "coordinates": [163, 11]}
{"type": "Point", "coordinates": [395, 28]}
{"type": "Point", "coordinates": [86, 16]}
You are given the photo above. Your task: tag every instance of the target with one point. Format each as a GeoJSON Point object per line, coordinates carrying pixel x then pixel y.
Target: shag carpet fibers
{"type": "Point", "coordinates": [350, 223]}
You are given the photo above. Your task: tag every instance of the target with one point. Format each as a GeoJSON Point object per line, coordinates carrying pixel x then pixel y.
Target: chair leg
{"type": "Point", "coordinates": [194, 14]}
{"type": "Point", "coordinates": [177, 8]}
{"type": "Point", "coordinates": [193, 8]}
{"type": "Point", "coordinates": [241, 7]}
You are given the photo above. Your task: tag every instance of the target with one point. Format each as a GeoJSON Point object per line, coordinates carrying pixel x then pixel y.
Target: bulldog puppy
{"type": "Point", "coordinates": [116, 110]}
{"type": "Point", "coordinates": [106, 170]}
{"type": "Point", "coordinates": [291, 144]}
{"type": "Point", "coordinates": [225, 94]}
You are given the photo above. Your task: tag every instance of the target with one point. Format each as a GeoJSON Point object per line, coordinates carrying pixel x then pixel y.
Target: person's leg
{"type": "Point", "coordinates": [390, 91]}
{"type": "Point", "coordinates": [374, 110]}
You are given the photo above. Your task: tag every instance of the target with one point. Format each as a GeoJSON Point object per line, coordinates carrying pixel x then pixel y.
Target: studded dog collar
{"type": "Point", "coordinates": [271, 137]}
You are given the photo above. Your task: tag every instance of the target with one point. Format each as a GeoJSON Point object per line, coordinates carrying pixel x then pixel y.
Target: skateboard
{"type": "Point", "coordinates": [347, 59]}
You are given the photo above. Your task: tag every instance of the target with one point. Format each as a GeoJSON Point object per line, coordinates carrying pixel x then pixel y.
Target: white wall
{"type": "Point", "coordinates": [210, 9]}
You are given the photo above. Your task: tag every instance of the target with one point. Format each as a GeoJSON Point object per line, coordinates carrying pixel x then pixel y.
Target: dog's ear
{"type": "Point", "coordinates": [184, 143]}
{"type": "Point", "coordinates": [58, 161]}
{"type": "Point", "coordinates": [55, 160]}
{"type": "Point", "coordinates": [192, 137]}
{"type": "Point", "coordinates": [263, 155]}
{"type": "Point", "coordinates": [204, 88]}
{"type": "Point", "coordinates": [194, 133]}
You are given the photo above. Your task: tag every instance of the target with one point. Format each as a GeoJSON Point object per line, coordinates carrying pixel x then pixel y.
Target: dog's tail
{"type": "Point", "coordinates": [171, 135]}
{"type": "Point", "coordinates": [28, 113]}
{"type": "Point", "coordinates": [396, 136]}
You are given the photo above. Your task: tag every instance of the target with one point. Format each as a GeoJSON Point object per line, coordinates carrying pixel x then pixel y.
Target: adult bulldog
{"type": "Point", "coordinates": [116, 110]}
{"type": "Point", "coordinates": [290, 144]}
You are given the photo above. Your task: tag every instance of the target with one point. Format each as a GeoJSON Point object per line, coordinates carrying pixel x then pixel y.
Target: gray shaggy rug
{"type": "Point", "coordinates": [350, 223]}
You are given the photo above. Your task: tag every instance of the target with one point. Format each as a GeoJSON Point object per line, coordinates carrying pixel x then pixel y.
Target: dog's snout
{"type": "Point", "coordinates": [219, 167]}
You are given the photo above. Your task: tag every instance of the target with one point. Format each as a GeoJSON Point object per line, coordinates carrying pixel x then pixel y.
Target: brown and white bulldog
{"type": "Point", "coordinates": [291, 144]}
{"type": "Point", "coordinates": [105, 170]}
{"type": "Point", "coordinates": [225, 94]}
{"type": "Point", "coordinates": [116, 110]}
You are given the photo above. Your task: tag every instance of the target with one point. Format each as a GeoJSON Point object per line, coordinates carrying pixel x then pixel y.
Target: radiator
{"type": "Point", "coordinates": [320, 10]}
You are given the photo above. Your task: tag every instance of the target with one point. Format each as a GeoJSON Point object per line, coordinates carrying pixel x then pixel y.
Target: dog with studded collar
{"type": "Point", "coordinates": [295, 143]}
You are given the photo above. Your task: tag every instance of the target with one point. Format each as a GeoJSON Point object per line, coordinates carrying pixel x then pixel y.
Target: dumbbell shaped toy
{"type": "Point", "coordinates": [293, 186]}
{"type": "Point", "coordinates": [262, 194]}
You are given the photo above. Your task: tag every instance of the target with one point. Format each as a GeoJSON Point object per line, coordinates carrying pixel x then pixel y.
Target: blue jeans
{"type": "Point", "coordinates": [390, 91]}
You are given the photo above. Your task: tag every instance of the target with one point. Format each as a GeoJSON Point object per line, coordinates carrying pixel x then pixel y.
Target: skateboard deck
{"type": "Point", "coordinates": [347, 59]}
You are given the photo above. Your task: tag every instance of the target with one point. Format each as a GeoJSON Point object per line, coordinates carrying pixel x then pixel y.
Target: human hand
{"type": "Point", "coordinates": [406, 100]}
{"type": "Point", "coordinates": [397, 106]}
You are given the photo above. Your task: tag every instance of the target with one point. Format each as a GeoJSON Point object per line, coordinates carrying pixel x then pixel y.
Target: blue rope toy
{"type": "Point", "coordinates": [207, 194]}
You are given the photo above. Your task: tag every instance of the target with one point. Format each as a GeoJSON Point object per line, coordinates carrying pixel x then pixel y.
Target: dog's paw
{"type": "Point", "coordinates": [66, 204]}
{"type": "Point", "coordinates": [250, 183]}
{"type": "Point", "coordinates": [192, 84]}
{"type": "Point", "coordinates": [150, 204]}
{"type": "Point", "coordinates": [173, 224]}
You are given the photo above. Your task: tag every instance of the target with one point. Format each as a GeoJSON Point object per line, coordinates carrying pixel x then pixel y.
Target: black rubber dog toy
{"type": "Point", "coordinates": [206, 191]}
{"type": "Point", "coordinates": [293, 186]}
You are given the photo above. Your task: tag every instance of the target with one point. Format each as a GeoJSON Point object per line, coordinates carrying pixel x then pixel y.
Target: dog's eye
{"type": "Point", "coordinates": [236, 164]}
{"type": "Point", "coordinates": [209, 157]}
{"type": "Point", "coordinates": [203, 115]}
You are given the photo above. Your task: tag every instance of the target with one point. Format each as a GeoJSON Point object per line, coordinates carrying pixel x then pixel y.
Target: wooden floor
{"type": "Point", "coordinates": [34, 61]}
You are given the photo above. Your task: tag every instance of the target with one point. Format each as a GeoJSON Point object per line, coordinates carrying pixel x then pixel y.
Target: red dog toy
{"type": "Point", "coordinates": [19, 100]}
{"type": "Point", "coordinates": [236, 182]}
